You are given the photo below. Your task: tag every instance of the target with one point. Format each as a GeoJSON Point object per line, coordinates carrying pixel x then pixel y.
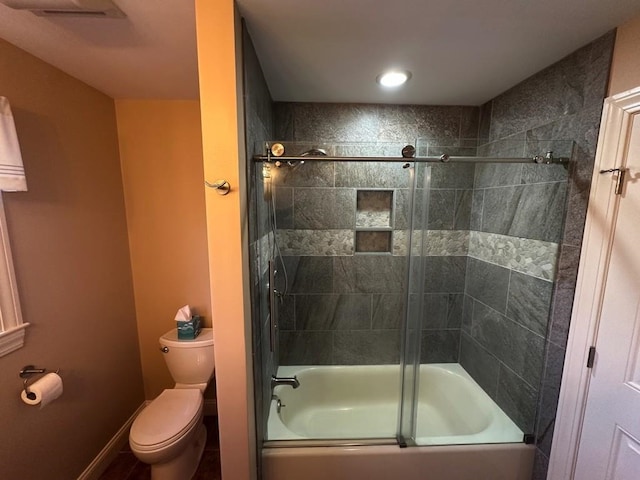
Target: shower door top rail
{"type": "Point", "coordinates": [546, 159]}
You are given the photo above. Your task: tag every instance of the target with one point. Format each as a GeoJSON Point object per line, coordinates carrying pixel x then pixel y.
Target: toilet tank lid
{"type": "Point", "coordinates": [170, 339]}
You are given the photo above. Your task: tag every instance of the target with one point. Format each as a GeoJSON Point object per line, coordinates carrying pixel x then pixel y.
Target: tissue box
{"type": "Point", "coordinates": [189, 330]}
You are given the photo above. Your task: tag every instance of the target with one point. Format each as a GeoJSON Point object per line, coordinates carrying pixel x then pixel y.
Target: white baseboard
{"type": "Point", "coordinates": [111, 449]}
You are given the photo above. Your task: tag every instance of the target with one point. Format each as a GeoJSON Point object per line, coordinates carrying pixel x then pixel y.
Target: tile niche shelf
{"type": "Point", "coordinates": [374, 220]}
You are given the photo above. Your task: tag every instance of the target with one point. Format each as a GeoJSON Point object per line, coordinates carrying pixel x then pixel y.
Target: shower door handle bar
{"type": "Point", "coordinates": [273, 312]}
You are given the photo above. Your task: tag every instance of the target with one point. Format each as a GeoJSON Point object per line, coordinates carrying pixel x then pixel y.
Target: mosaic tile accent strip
{"type": "Point", "coordinates": [447, 243]}
{"type": "Point", "coordinates": [316, 242]}
{"type": "Point", "coordinates": [399, 243]}
{"type": "Point", "coordinates": [531, 257]}
{"type": "Point", "coordinates": [440, 243]}
{"type": "Point", "coordinates": [264, 246]}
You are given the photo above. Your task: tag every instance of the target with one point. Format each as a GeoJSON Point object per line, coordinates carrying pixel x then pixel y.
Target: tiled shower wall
{"type": "Point", "coordinates": [258, 128]}
{"type": "Point", "coordinates": [517, 217]}
{"type": "Point", "coordinates": [345, 307]}
{"type": "Point", "coordinates": [563, 101]}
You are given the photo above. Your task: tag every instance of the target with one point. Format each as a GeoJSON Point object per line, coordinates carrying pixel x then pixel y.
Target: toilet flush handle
{"type": "Point", "coordinates": [164, 349]}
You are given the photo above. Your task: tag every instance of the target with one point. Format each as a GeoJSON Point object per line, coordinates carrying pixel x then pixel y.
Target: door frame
{"type": "Point", "coordinates": [617, 117]}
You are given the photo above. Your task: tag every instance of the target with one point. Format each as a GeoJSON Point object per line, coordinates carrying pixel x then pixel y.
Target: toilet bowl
{"type": "Point", "coordinates": [169, 433]}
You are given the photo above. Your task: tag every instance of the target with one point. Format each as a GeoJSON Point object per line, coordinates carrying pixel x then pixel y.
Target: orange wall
{"type": "Point", "coordinates": [625, 69]}
{"type": "Point", "coordinates": [218, 30]}
{"type": "Point", "coordinates": [161, 155]}
{"type": "Point", "coordinates": [71, 255]}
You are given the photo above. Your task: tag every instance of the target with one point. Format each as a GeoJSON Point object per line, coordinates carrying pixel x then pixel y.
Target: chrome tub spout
{"type": "Point", "coordinates": [291, 381]}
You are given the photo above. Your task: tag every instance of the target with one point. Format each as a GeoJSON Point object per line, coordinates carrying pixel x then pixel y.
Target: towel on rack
{"type": "Point", "coordinates": [12, 177]}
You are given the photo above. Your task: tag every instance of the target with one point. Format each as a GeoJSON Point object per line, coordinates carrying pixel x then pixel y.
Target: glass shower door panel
{"type": "Point", "coordinates": [489, 278]}
{"type": "Point", "coordinates": [412, 335]}
{"type": "Point", "coordinates": [338, 232]}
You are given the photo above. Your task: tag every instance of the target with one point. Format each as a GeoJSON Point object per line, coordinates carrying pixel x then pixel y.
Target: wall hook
{"type": "Point", "coordinates": [222, 186]}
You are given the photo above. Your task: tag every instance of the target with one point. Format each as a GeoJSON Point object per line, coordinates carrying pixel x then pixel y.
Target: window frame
{"type": "Point", "coordinates": [12, 327]}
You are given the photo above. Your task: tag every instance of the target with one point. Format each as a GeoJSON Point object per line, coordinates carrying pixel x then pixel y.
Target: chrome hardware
{"type": "Point", "coordinates": [27, 372]}
{"type": "Point", "coordinates": [409, 151]}
{"type": "Point", "coordinates": [291, 381]}
{"type": "Point", "coordinates": [164, 349]}
{"type": "Point", "coordinates": [273, 309]}
{"type": "Point", "coordinates": [222, 186]}
{"type": "Point", "coordinates": [546, 159]}
{"type": "Point", "coordinates": [279, 403]}
{"type": "Point", "coordinates": [622, 173]}
{"type": "Point", "coordinates": [445, 158]}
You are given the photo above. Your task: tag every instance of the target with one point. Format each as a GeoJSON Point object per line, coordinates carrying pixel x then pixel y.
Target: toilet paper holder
{"type": "Point", "coordinates": [27, 372]}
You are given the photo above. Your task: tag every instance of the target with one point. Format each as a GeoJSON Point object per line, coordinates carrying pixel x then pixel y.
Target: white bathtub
{"type": "Point", "coordinates": [465, 435]}
{"type": "Point", "coordinates": [361, 402]}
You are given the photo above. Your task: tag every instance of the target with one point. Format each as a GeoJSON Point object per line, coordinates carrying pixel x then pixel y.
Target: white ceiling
{"type": "Point", "coordinates": [459, 51]}
{"type": "Point", "coordinates": [150, 54]}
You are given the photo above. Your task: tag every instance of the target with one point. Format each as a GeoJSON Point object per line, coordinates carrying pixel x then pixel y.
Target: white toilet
{"type": "Point", "coordinates": [169, 433]}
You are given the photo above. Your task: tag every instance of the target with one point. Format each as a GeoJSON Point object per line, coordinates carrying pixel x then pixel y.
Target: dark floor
{"type": "Point", "coordinates": [127, 467]}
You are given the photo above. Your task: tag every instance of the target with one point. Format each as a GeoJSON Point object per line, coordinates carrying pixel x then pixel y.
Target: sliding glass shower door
{"type": "Point", "coordinates": [480, 290]}
{"type": "Point", "coordinates": [406, 300]}
{"type": "Point", "coordinates": [337, 239]}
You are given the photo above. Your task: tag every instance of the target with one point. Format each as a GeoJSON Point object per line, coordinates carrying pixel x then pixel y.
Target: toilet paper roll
{"type": "Point", "coordinates": [44, 391]}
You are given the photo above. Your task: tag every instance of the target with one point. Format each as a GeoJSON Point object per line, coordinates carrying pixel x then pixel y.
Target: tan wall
{"type": "Point", "coordinates": [625, 69]}
{"type": "Point", "coordinates": [71, 256]}
{"type": "Point", "coordinates": [161, 155]}
{"type": "Point", "coordinates": [218, 32]}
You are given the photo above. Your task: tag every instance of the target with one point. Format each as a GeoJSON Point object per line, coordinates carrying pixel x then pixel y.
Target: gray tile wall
{"type": "Point", "coordinates": [258, 128]}
{"type": "Point", "coordinates": [504, 325]}
{"type": "Point", "coordinates": [348, 308]}
{"type": "Point", "coordinates": [564, 101]}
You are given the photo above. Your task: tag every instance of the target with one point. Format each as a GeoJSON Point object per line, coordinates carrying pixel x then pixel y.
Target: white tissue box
{"type": "Point", "coordinates": [190, 329]}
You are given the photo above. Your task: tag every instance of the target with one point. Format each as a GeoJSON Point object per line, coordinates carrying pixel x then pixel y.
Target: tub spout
{"type": "Point", "coordinates": [291, 381]}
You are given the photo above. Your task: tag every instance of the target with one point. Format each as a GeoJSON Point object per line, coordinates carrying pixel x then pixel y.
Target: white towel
{"type": "Point", "coordinates": [12, 177]}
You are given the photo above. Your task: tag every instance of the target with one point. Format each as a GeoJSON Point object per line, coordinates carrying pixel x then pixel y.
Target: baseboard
{"type": "Point", "coordinates": [111, 449]}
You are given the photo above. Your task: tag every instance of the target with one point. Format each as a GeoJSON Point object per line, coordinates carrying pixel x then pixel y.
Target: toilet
{"type": "Point", "coordinates": [169, 433]}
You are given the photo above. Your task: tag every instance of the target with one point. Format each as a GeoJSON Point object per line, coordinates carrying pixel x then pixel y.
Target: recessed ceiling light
{"type": "Point", "coordinates": [393, 78]}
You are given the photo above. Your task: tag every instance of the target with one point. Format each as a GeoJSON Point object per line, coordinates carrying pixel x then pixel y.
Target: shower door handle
{"type": "Point", "coordinates": [273, 307]}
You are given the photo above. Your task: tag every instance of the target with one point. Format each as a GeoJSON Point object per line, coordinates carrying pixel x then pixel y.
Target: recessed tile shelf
{"type": "Point", "coordinates": [374, 208]}
{"type": "Point", "coordinates": [374, 218]}
{"type": "Point", "coordinates": [373, 241]}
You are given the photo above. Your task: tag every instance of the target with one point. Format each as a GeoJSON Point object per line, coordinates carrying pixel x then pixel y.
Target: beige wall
{"type": "Point", "coordinates": [625, 69]}
{"type": "Point", "coordinates": [161, 155]}
{"type": "Point", "coordinates": [218, 31]}
{"type": "Point", "coordinates": [71, 256]}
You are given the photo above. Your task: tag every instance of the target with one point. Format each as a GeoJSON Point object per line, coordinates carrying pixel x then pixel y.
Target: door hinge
{"type": "Point", "coordinates": [592, 356]}
{"type": "Point", "coordinates": [622, 172]}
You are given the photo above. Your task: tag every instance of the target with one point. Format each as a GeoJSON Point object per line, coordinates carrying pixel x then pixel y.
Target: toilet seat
{"type": "Point", "coordinates": [166, 419]}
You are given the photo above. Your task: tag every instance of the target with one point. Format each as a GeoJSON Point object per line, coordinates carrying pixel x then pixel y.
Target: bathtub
{"type": "Point", "coordinates": [461, 431]}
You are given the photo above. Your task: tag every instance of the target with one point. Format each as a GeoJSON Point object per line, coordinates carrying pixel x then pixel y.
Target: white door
{"type": "Point", "coordinates": [609, 447]}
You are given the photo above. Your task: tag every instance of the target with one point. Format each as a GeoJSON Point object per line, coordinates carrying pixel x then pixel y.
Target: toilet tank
{"type": "Point", "coordinates": [189, 361]}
